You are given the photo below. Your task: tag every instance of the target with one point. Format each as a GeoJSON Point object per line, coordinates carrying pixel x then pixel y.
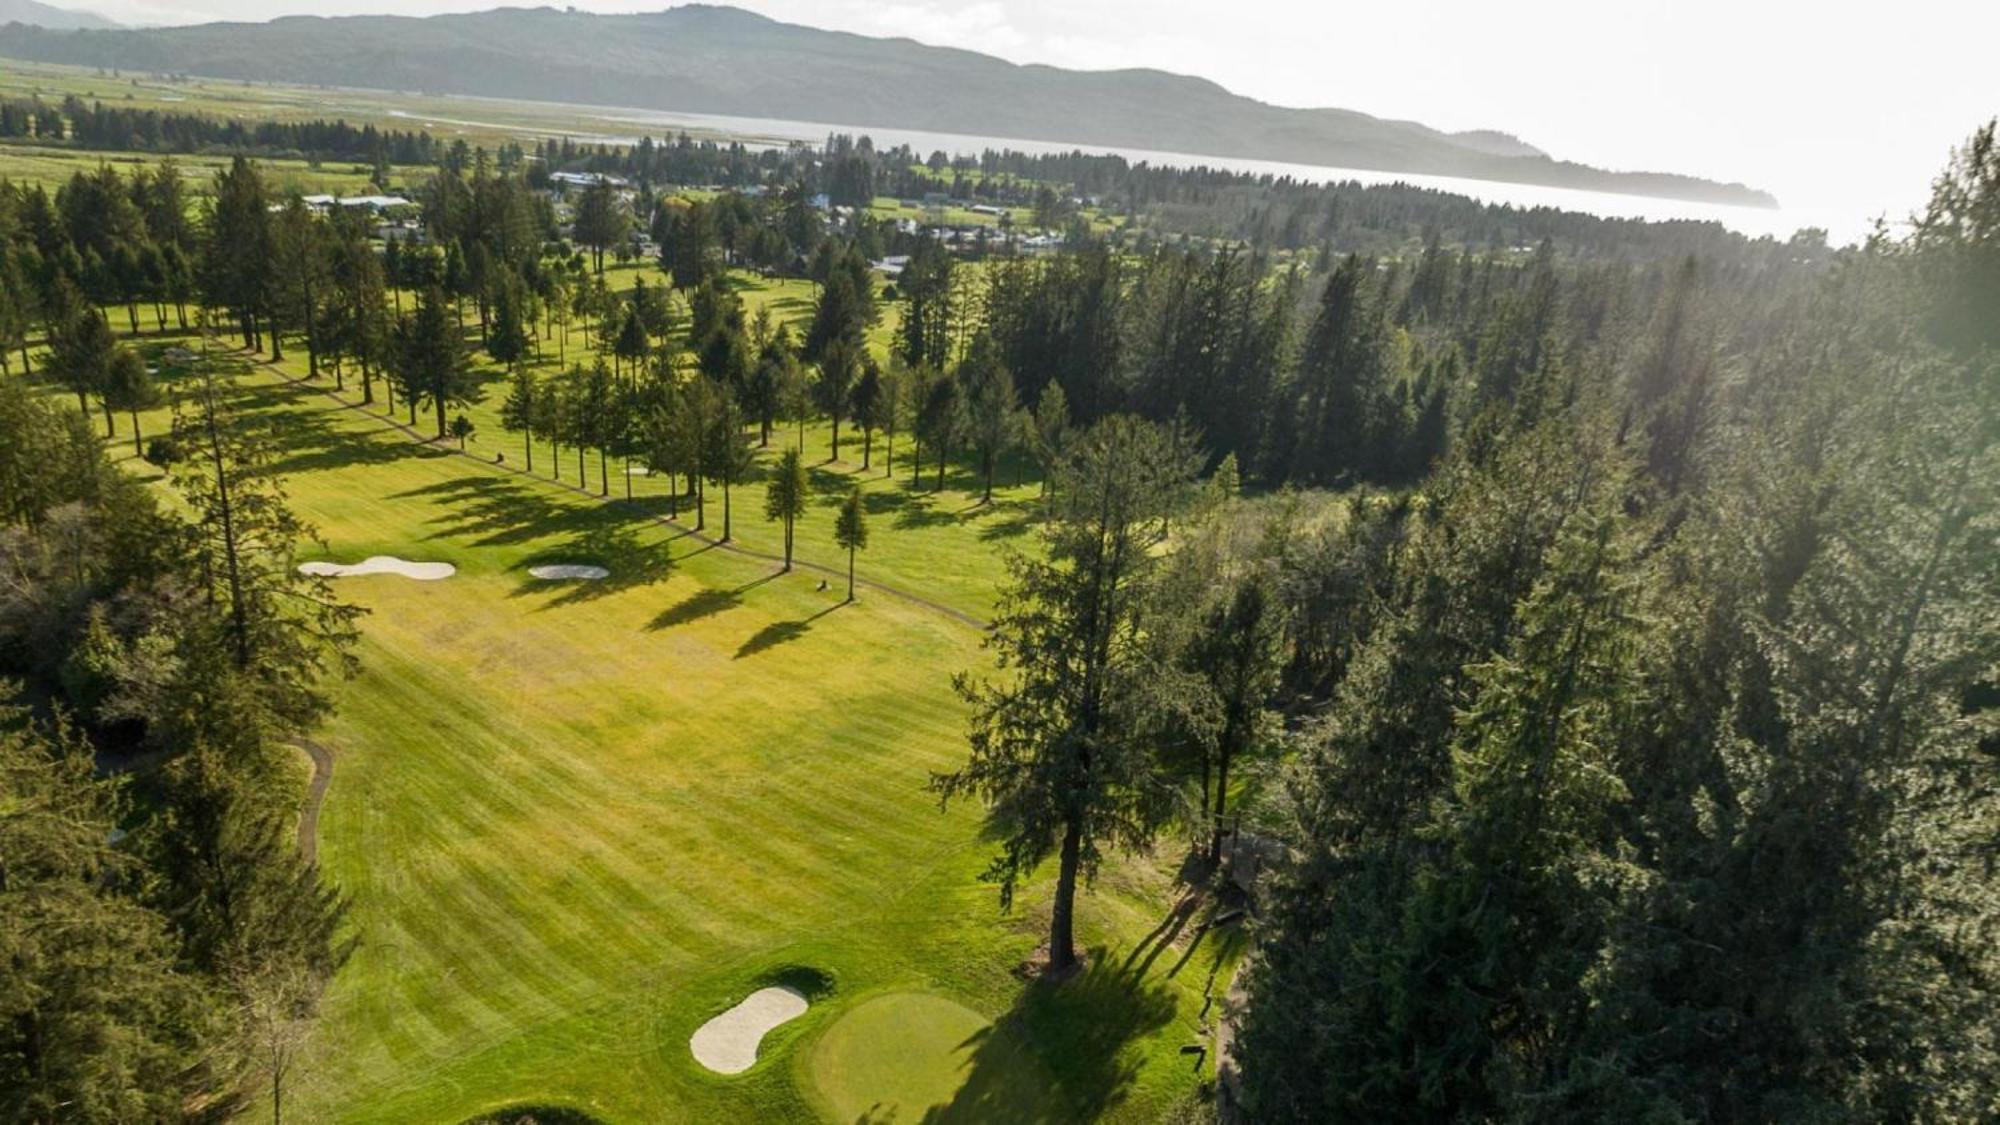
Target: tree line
{"type": "Point", "coordinates": [124, 128]}
{"type": "Point", "coordinates": [171, 960]}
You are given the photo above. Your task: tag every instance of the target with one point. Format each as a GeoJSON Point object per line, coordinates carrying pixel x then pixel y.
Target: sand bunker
{"type": "Point", "coordinates": [569, 570]}
{"type": "Point", "coordinates": [727, 1044]}
{"type": "Point", "coordinates": [381, 564]}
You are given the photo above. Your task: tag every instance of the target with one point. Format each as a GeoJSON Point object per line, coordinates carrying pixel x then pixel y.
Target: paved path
{"type": "Point", "coordinates": [303, 383]}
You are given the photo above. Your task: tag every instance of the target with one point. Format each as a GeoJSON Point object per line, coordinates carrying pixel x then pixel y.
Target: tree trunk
{"type": "Point", "coordinates": [850, 574]}
{"type": "Point", "coordinates": [312, 343]}
{"type": "Point", "coordinates": [603, 472]}
{"type": "Point", "coordinates": [867, 449]}
{"type": "Point", "coordinates": [725, 509]}
{"type": "Point", "coordinates": [1221, 801]}
{"type": "Point", "coordinates": [440, 413]}
{"type": "Point", "coordinates": [110, 424]}
{"type": "Point", "coordinates": [1062, 917]}
{"type": "Point", "coordinates": [138, 441]}
{"type": "Point", "coordinates": [239, 625]}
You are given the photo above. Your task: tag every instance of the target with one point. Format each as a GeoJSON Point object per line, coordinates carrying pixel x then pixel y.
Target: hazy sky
{"type": "Point", "coordinates": [1838, 107]}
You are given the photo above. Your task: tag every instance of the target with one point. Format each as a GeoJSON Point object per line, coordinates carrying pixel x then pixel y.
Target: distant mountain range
{"type": "Point", "coordinates": [720, 60]}
{"type": "Point", "coordinates": [48, 15]}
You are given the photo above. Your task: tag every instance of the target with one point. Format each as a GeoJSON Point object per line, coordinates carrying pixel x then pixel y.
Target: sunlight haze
{"type": "Point", "coordinates": [1819, 104]}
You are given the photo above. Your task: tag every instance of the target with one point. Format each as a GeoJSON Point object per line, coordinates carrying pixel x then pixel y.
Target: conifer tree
{"type": "Point", "coordinates": [1057, 745]}
{"type": "Point", "coordinates": [431, 361]}
{"type": "Point", "coordinates": [520, 413]}
{"type": "Point", "coordinates": [850, 531]}
{"type": "Point", "coordinates": [128, 386]}
{"type": "Point", "coordinates": [785, 495]}
{"type": "Point", "coordinates": [97, 1023]}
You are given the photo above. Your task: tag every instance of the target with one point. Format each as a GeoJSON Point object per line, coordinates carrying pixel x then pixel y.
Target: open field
{"type": "Point", "coordinates": [52, 167]}
{"type": "Point", "coordinates": [485, 121]}
{"type": "Point", "coordinates": [576, 820]}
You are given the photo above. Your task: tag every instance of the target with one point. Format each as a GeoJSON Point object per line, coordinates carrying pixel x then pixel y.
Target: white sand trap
{"type": "Point", "coordinates": [559, 571]}
{"type": "Point", "coordinates": [381, 564]}
{"type": "Point", "coordinates": [727, 1044]}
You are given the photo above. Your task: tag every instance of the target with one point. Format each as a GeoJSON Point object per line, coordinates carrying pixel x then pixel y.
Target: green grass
{"type": "Point", "coordinates": [577, 820]}
{"type": "Point", "coordinates": [946, 545]}
{"type": "Point", "coordinates": [906, 1056]}
{"type": "Point", "coordinates": [51, 167]}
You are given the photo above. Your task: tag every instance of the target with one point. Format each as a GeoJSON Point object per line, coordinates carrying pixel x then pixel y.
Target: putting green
{"type": "Point", "coordinates": [909, 1056]}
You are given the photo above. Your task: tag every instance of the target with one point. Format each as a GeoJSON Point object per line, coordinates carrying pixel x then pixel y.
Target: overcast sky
{"type": "Point", "coordinates": [1838, 107]}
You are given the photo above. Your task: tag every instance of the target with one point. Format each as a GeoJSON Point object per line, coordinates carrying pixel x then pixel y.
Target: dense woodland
{"type": "Point", "coordinates": [1607, 620]}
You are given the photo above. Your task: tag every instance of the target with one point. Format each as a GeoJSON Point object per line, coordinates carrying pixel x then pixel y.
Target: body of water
{"type": "Point", "coordinates": [1778, 222]}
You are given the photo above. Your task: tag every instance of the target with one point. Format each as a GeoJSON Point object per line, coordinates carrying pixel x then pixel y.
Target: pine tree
{"type": "Point", "coordinates": [431, 361]}
{"type": "Point", "coordinates": [785, 495]}
{"type": "Point", "coordinates": [81, 350]}
{"type": "Point", "coordinates": [992, 412]}
{"type": "Point", "coordinates": [850, 532]}
{"type": "Point", "coordinates": [281, 628]}
{"type": "Point", "coordinates": [520, 413]}
{"type": "Point", "coordinates": [128, 386]}
{"type": "Point", "coordinates": [725, 454]}
{"type": "Point", "coordinates": [97, 1023]}
{"type": "Point", "coordinates": [1057, 745]}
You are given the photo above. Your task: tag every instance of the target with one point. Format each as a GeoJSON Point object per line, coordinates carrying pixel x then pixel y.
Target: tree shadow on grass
{"type": "Point", "coordinates": [700, 604]}
{"type": "Point", "coordinates": [922, 510]}
{"type": "Point", "coordinates": [704, 603]}
{"type": "Point", "coordinates": [1061, 1054]}
{"type": "Point", "coordinates": [309, 438]}
{"type": "Point", "coordinates": [778, 632]}
{"type": "Point", "coordinates": [533, 1114]}
{"type": "Point", "coordinates": [1012, 525]}
{"type": "Point", "coordinates": [496, 511]}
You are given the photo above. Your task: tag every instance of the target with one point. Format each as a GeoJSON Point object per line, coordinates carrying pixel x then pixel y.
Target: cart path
{"type": "Point", "coordinates": [322, 760]}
